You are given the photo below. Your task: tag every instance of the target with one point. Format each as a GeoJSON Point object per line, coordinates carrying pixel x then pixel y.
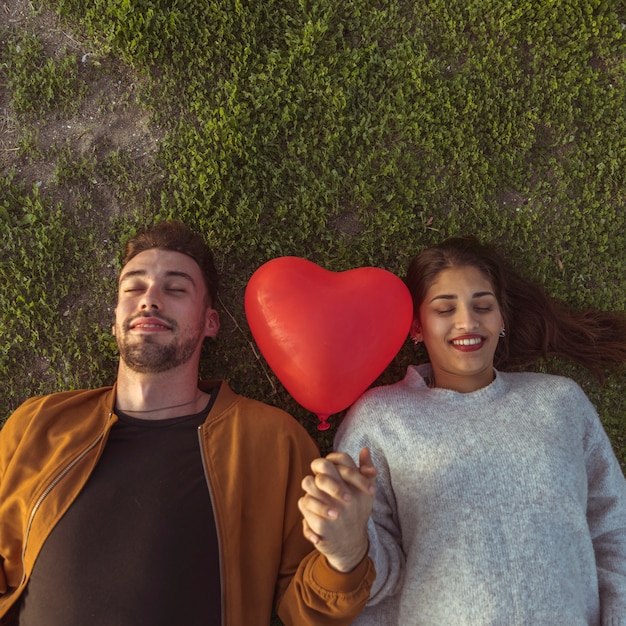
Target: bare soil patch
{"type": "Point", "coordinates": [109, 121]}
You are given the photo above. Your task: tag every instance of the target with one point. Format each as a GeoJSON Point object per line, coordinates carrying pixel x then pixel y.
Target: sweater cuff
{"type": "Point", "coordinates": [339, 582]}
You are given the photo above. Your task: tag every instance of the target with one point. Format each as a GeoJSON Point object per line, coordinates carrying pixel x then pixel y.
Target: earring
{"type": "Point", "coordinates": [502, 333]}
{"type": "Point", "coordinates": [416, 341]}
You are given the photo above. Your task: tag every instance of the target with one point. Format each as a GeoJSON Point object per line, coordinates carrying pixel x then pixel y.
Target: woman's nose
{"type": "Point", "coordinates": [465, 319]}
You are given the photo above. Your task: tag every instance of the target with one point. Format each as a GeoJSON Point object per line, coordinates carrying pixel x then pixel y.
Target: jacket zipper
{"type": "Point", "coordinates": [217, 527]}
{"type": "Point", "coordinates": [57, 479]}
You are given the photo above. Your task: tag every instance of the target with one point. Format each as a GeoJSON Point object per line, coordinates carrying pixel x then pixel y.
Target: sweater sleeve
{"type": "Point", "coordinates": [383, 529]}
{"type": "Point", "coordinates": [606, 516]}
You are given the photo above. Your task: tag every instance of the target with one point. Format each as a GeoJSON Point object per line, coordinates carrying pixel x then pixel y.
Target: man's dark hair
{"type": "Point", "coordinates": [177, 237]}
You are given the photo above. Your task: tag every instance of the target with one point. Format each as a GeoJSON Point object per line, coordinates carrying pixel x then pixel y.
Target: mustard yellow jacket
{"type": "Point", "coordinates": [255, 457]}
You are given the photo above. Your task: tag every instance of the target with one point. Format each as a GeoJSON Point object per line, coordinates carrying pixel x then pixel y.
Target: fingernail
{"type": "Point", "coordinates": [332, 513]}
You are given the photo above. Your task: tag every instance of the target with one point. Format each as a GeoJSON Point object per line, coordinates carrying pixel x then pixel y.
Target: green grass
{"type": "Point", "coordinates": [50, 340]}
{"type": "Point", "coordinates": [350, 133]}
{"type": "Point", "coordinates": [37, 82]}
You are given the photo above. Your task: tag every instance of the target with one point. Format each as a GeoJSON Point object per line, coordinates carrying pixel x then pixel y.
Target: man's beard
{"type": "Point", "coordinates": [150, 357]}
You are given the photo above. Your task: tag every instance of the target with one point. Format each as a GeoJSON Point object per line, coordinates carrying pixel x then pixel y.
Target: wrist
{"type": "Point", "coordinates": [348, 563]}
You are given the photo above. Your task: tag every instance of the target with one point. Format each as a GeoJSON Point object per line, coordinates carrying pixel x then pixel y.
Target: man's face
{"type": "Point", "coordinates": [162, 314]}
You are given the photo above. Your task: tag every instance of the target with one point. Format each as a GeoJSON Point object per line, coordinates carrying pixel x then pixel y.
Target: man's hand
{"type": "Point", "coordinates": [336, 506]}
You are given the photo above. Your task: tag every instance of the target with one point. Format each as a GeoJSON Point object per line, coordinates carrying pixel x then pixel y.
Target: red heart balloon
{"type": "Point", "coordinates": [326, 335]}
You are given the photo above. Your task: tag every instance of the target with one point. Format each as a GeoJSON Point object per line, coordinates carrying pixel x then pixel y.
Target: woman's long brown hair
{"type": "Point", "coordinates": [537, 325]}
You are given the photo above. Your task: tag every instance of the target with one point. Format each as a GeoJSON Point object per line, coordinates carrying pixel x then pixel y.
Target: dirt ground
{"type": "Point", "coordinates": [109, 119]}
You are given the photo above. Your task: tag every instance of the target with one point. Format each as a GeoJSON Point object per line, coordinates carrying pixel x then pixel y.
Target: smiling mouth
{"type": "Point", "coordinates": [473, 341]}
{"type": "Point", "coordinates": [149, 323]}
{"type": "Point", "coordinates": [148, 326]}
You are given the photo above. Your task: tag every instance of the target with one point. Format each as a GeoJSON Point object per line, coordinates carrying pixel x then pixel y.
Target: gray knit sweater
{"type": "Point", "coordinates": [505, 506]}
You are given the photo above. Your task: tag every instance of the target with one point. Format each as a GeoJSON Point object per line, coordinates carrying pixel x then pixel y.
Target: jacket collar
{"type": "Point", "coordinates": [226, 397]}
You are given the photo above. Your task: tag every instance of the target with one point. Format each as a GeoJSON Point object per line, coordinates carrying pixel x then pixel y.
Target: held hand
{"type": "Point", "coordinates": [336, 506]}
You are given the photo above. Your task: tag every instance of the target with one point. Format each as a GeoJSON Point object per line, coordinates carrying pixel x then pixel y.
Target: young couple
{"type": "Point", "coordinates": [496, 496]}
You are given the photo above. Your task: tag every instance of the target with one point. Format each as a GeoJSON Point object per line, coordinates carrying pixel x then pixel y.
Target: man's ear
{"type": "Point", "coordinates": [416, 330]}
{"type": "Point", "coordinates": [212, 323]}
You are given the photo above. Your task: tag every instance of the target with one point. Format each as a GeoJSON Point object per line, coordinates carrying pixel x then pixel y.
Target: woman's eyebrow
{"type": "Point", "coordinates": [478, 294]}
{"type": "Point", "coordinates": [444, 296]}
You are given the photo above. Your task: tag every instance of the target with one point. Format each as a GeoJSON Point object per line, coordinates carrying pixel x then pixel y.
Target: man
{"type": "Point", "coordinates": [162, 500]}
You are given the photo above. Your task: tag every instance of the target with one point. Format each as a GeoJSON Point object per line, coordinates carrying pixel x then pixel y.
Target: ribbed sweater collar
{"type": "Point", "coordinates": [416, 374]}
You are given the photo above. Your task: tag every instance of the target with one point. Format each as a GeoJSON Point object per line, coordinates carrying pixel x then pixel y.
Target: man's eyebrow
{"type": "Point", "coordinates": [180, 274]}
{"type": "Point", "coordinates": [168, 274]}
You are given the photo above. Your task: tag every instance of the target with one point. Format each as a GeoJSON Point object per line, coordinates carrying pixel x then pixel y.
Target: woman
{"type": "Point", "coordinates": [499, 498]}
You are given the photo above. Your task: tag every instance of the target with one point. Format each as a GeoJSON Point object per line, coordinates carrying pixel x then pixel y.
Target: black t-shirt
{"type": "Point", "coordinates": [139, 544]}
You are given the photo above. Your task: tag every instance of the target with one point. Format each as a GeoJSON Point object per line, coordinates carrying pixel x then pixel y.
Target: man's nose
{"type": "Point", "coordinates": [151, 298]}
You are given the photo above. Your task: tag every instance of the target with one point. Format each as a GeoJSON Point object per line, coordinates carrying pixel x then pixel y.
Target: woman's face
{"type": "Point", "coordinates": [459, 322]}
